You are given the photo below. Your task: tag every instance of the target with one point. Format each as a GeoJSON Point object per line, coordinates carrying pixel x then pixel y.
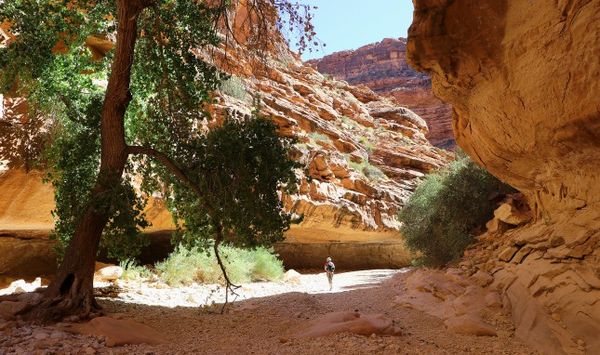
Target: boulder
{"type": "Point", "coordinates": [292, 276]}
{"type": "Point", "coordinates": [22, 286]}
{"type": "Point", "coordinates": [508, 253]}
{"type": "Point", "coordinates": [109, 273]}
{"type": "Point", "coordinates": [495, 225]}
{"type": "Point", "coordinates": [9, 309]}
{"type": "Point", "coordinates": [351, 322]}
{"type": "Point", "coordinates": [482, 278]}
{"type": "Point", "coordinates": [469, 325]}
{"type": "Point", "coordinates": [507, 213]}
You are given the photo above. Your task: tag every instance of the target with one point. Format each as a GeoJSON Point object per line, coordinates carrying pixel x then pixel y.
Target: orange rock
{"type": "Point", "coordinates": [535, 131]}
{"type": "Point", "coordinates": [509, 214]}
{"type": "Point", "coordinates": [508, 253]}
{"type": "Point", "coordinates": [469, 325]}
{"type": "Point", "coordinates": [526, 108]}
{"type": "Point", "coordinates": [351, 322]}
{"type": "Point", "coordinates": [9, 309]}
{"type": "Point", "coordinates": [109, 273]}
{"type": "Point", "coordinates": [495, 225]}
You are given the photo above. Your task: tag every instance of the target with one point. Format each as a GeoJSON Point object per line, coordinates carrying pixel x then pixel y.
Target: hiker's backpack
{"type": "Point", "coordinates": [330, 266]}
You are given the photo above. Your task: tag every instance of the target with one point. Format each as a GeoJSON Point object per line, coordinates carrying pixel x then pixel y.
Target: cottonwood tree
{"type": "Point", "coordinates": [115, 89]}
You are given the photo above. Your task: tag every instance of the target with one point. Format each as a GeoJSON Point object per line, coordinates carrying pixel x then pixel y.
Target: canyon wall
{"type": "Point", "coordinates": [362, 155]}
{"type": "Point", "coordinates": [523, 78]}
{"type": "Point", "coordinates": [383, 68]}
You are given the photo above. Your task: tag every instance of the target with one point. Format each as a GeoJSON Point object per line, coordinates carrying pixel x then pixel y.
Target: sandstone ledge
{"type": "Point", "coordinates": [347, 256]}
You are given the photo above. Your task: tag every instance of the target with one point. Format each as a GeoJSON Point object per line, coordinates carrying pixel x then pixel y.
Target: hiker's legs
{"type": "Point", "coordinates": [330, 278]}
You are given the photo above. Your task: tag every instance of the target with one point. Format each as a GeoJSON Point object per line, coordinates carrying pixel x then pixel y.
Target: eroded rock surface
{"type": "Point", "coordinates": [383, 68]}
{"type": "Point", "coordinates": [464, 303]}
{"type": "Point", "coordinates": [523, 80]}
{"type": "Point", "coordinates": [523, 86]}
{"type": "Point", "coordinates": [549, 278]}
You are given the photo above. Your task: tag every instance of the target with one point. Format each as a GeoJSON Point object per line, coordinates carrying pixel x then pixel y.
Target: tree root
{"type": "Point", "coordinates": [63, 308]}
{"type": "Point", "coordinates": [45, 306]}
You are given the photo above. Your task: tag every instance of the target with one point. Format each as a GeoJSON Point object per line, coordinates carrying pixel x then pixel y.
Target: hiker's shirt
{"type": "Point", "coordinates": [329, 266]}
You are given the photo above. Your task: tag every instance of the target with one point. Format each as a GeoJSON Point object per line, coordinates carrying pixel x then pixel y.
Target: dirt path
{"type": "Point", "coordinates": [267, 321]}
{"type": "Point", "coordinates": [268, 324]}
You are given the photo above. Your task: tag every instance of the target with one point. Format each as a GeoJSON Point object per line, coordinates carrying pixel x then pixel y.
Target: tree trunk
{"type": "Point", "coordinates": [71, 291]}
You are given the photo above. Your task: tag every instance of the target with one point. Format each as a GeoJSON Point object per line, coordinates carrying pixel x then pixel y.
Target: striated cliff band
{"type": "Point", "coordinates": [383, 68]}
{"type": "Point", "coordinates": [523, 78]}
{"type": "Point", "coordinates": [362, 156]}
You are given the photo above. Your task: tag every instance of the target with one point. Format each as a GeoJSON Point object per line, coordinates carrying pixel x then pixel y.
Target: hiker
{"type": "Point", "coordinates": [329, 269]}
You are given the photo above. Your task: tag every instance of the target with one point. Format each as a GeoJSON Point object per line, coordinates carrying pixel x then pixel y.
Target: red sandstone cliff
{"type": "Point", "coordinates": [523, 79]}
{"type": "Point", "coordinates": [383, 68]}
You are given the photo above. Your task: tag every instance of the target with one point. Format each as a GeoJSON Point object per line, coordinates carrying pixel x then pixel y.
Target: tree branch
{"type": "Point", "coordinates": [229, 286]}
{"type": "Point", "coordinates": [169, 164]}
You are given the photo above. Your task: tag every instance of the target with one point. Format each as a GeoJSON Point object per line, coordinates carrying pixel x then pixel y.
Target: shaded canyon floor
{"type": "Point", "coordinates": [270, 320]}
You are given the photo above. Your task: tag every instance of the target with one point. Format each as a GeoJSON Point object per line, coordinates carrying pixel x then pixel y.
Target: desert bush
{"type": "Point", "coordinates": [266, 265]}
{"type": "Point", "coordinates": [373, 172]}
{"type": "Point", "coordinates": [315, 136]}
{"type": "Point", "coordinates": [133, 271]}
{"type": "Point", "coordinates": [187, 265]}
{"type": "Point", "coordinates": [370, 171]}
{"type": "Point", "coordinates": [235, 87]}
{"type": "Point", "coordinates": [442, 214]}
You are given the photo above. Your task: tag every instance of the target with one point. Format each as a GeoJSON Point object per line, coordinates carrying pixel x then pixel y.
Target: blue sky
{"type": "Point", "coordinates": [349, 24]}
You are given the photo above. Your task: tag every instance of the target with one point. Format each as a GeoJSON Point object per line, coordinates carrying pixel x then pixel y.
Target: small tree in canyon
{"type": "Point", "coordinates": [447, 208]}
{"type": "Point", "coordinates": [115, 90]}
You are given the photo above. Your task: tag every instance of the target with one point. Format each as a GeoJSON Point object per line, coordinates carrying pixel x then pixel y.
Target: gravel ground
{"type": "Point", "coordinates": [265, 320]}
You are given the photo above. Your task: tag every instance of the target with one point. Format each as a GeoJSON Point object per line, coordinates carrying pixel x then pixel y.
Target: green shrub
{"type": "Point", "coordinates": [315, 136]}
{"type": "Point", "coordinates": [132, 271]}
{"type": "Point", "coordinates": [368, 170]}
{"type": "Point", "coordinates": [185, 266]}
{"type": "Point", "coordinates": [182, 266]}
{"type": "Point", "coordinates": [441, 215]}
{"type": "Point", "coordinates": [238, 263]}
{"type": "Point", "coordinates": [373, 172]}
{"type": "Point", "coordinates": [235, 87]}
{"type": "Point", "coordinates": [358, 166]}
{"type": "Point", "coordinates": [266, 265]}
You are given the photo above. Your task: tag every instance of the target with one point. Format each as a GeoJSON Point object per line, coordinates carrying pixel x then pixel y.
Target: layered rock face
{"type": "Point", "coordinates": [523, 79]}
{"type": "Point", "coordinates": [383, 68]}
{"type": "Point", "coordinates": [361, 154]}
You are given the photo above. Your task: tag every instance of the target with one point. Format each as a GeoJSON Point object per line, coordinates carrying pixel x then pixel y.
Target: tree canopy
{"type": "Point", "coordinates": [115, 91]}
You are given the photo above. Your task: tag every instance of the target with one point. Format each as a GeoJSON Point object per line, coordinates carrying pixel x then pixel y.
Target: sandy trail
{"type": "Point", "coordinates": [159, 294]}
{"type": "Point", "coordinates": [267, 321]}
